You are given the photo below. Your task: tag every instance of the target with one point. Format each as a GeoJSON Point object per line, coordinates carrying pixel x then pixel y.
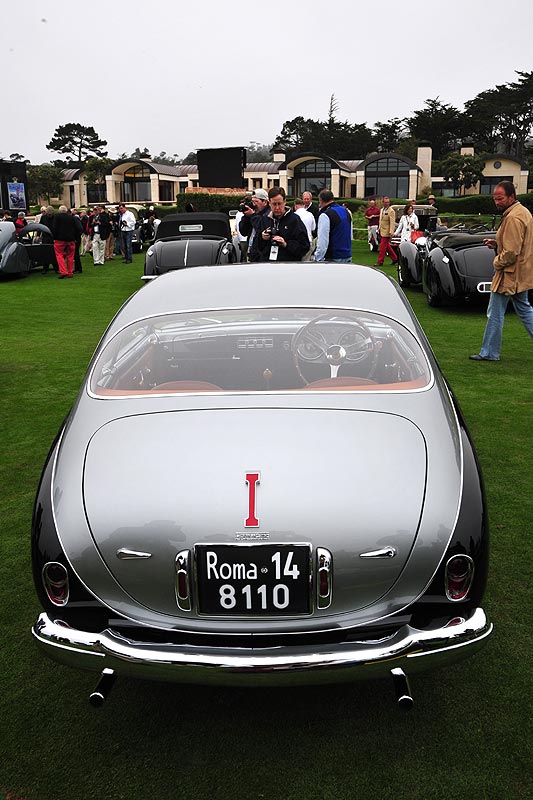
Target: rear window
{"type": "Point", "coordinates": [260, 350]}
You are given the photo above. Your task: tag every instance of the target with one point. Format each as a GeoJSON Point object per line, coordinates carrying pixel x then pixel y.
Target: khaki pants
{"type": "Point", "coordinates": [310, 252]}
{"type": "Point", "coordinates": [109, 247]}
{"type": "Point", "coordinates": [98, 249]}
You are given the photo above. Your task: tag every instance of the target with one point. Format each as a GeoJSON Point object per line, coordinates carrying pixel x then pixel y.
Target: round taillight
{"type": "Point", "coordinates": [55, 581]}
{"type": "Point", "coordinates": [458, 577]}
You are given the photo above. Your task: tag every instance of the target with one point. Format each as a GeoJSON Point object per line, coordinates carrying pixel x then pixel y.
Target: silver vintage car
{"type": "Point", "coordinates": [265, 480]}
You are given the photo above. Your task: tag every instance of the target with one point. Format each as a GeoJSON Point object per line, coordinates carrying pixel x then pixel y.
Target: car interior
{"type": "Point", "coordinates": [260, 351]}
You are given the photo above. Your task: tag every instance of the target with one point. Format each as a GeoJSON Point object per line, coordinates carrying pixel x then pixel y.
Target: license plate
{"type": "Point", "coordinates": [264, 579]}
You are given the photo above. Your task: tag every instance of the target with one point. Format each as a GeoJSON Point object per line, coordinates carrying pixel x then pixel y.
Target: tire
{"type": "Point", "coordinates": [434, 294]}
{"type": "Point", "coordinates": [404, 282]}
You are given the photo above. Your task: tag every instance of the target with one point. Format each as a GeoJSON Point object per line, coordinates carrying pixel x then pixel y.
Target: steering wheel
{"type": "Point", "coordinates": [333, 342]}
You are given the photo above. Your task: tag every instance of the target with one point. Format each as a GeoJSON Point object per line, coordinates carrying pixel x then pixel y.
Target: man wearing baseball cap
{"type": "Point", "coordinates": [252, 222]}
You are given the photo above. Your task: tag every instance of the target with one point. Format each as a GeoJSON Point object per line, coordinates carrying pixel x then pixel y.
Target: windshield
{"type": "Point", "coordinates": [258, 350]}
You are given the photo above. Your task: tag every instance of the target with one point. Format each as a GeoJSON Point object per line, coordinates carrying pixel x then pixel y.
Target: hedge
{"type": "Point", "coordinates": [469, 205]}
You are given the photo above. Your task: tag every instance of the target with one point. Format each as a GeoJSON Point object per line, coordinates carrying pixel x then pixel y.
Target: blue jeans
{"type": "Point", "coordinates": [492, 338]}
{"type": "Point", "coordinates": [127, 236]}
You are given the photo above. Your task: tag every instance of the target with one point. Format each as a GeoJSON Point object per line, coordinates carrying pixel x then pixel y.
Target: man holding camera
{"type": "Point", "coordinates": [283, 235]}
{"type": "Point", "coordinates": [251, 223]}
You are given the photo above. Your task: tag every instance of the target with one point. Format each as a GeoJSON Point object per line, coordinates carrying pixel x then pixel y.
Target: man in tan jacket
{"type": "Point", "coordinates": [387, 226]}
{"type": "Point", "coordinates": [513, 267]}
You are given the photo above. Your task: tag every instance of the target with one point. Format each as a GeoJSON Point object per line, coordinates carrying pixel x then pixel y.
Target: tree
{"type": "Point", "coordinates": [18, 157]}
{"type": "Point", "coordinates": [332, 137]}
{"type": "Point", "coordinates": [44, 180]}
{"type": "Point", "coordinates": [388, 135]}
{"type": "Point", "coordinates": [77, 140]}
{"type": "Point", "coordinates": [97, 168]}
{"type": "Point", "coordinates": [170, 160]}
{"type": "Point", "coordinates": [299, 134]}
{"type": "Point", "coordinates": [462, 170]}
{"type": "Point", "coordinates": [257, 153]}
{"type": "Point", "coordinates": [438, 124]}
{"type": "Point", "coordinates": [501, 119]}
{"type": "Point", "coordinates": [191, 158]}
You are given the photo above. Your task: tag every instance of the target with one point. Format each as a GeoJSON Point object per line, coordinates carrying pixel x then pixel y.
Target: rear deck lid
{"type": "Point", "coordinates": [352, 482]}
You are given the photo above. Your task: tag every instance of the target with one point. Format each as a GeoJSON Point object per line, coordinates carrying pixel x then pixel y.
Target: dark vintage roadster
{"type": "Point", "coordinates": [265, 480]}
{"type": "Point", "coordinates": [20, 253]}
{"type": "Point", "coordinates": [189, 240]}
{"type": "Point", "coordinates": [451, 264]}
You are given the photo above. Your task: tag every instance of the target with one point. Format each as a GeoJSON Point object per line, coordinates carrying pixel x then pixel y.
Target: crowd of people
{"type": "Point", "coordinates": [105, 233]}
{"type": "Point", "coordinates": [269, 230]}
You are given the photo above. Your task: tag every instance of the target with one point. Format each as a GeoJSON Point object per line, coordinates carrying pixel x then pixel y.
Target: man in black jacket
{"type": "Point", "coordinates": [283, 234]}
{"type": "Point", "coordinates": [251, 223]}
{"type": "Point", "coordinates": [65, 232]}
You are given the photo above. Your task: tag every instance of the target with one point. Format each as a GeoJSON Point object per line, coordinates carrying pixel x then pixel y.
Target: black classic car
{"type": "Point", "coordinates": [451, 264]}
{"type": "Point", "coordinates": [21, 253]}
{"type": "Point", "coordinates": [190, 240]}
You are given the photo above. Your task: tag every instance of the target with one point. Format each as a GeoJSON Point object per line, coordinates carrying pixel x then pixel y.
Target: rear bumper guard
{"type": "Point", "coordinates": [408, 648]}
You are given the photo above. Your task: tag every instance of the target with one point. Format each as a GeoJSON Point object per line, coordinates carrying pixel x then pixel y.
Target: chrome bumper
{"type": "Point", "coordinates": [409, 648]}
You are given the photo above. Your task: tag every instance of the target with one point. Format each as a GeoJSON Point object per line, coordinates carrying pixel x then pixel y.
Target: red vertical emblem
{"type": "Point", "coordinates": [252, 479]}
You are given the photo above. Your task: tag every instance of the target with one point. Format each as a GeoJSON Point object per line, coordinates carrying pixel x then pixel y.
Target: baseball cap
{"type": "Point", "coordinates": [261, 194]}
{"type": "Point", "coordinates": [431, 196]}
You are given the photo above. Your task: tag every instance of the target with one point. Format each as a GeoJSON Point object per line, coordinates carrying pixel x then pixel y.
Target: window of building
{"type": "Point", "coordinates": [136, 187]}
{"type": "Point", "coordinates": [387, 177]}
{"type": "Point", "coordinates": [166, 190]}
{"type": "Point", "coordinates": [488, 184]}
{"type": "Point", "coordinates": [96, 193]}
{"type": "Point", "coordinates": [311, 176]}
{"type": "Point", "coordinates": [257, 183]}
{"type": "Point", "coordinates": [139, 171]}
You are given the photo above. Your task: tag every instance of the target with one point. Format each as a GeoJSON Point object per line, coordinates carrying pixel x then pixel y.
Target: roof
{"type": "Point", "coordinates": [270, 285]}
{"type": "Point", "coordinates": [263, 166]}
{"type": "Point", "coordinates": [351, 165]}
{"type": "Point", "coordinates": [72, 174]}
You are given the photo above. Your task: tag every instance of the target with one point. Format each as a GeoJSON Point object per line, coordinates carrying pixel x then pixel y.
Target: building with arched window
{"type": "Point", "coordinates": [141, 180]}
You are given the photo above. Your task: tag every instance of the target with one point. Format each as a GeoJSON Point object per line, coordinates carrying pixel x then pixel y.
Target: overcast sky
{"type": "Point", "coordinates": [178, 76]}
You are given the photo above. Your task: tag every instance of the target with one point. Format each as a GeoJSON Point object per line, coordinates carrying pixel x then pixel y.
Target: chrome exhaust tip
{"type": "Point", "coordinates": [103, 687]}
{"type": "Point", "coordinates": [401, 687]}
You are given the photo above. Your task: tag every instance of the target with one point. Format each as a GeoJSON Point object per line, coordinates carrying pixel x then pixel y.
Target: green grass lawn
{"type": "Point", "coordinates": [469, 734]}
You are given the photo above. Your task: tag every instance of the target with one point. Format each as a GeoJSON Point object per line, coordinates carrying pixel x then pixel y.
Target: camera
{"type": "Point", "coordinates": [245, 206]}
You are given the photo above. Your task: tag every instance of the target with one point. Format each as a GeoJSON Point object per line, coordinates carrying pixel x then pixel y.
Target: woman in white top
{"type": "Point", "coordinates": [407, 224]}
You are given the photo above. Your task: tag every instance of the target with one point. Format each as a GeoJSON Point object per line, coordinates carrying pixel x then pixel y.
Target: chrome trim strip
{"type": "Point", "coordinates": [409, 648]}
{"type": "Point", "coordinates": [124, 554]}
{"type": "Point", "coordinates": [387, 552]}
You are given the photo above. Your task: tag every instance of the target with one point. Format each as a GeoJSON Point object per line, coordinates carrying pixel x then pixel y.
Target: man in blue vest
{"type": "Point", "coordinates": [334, 230]}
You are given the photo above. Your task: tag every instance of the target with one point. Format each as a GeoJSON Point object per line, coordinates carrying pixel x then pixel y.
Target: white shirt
{"type": "Point", "coordinates": [308, 220]}
{"type": "Point", "coordinates": [238, 216]}
{"type": "Point", "coordinates": [406, 226]}
{"type": "Point", "coordinates": [127, 221]}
